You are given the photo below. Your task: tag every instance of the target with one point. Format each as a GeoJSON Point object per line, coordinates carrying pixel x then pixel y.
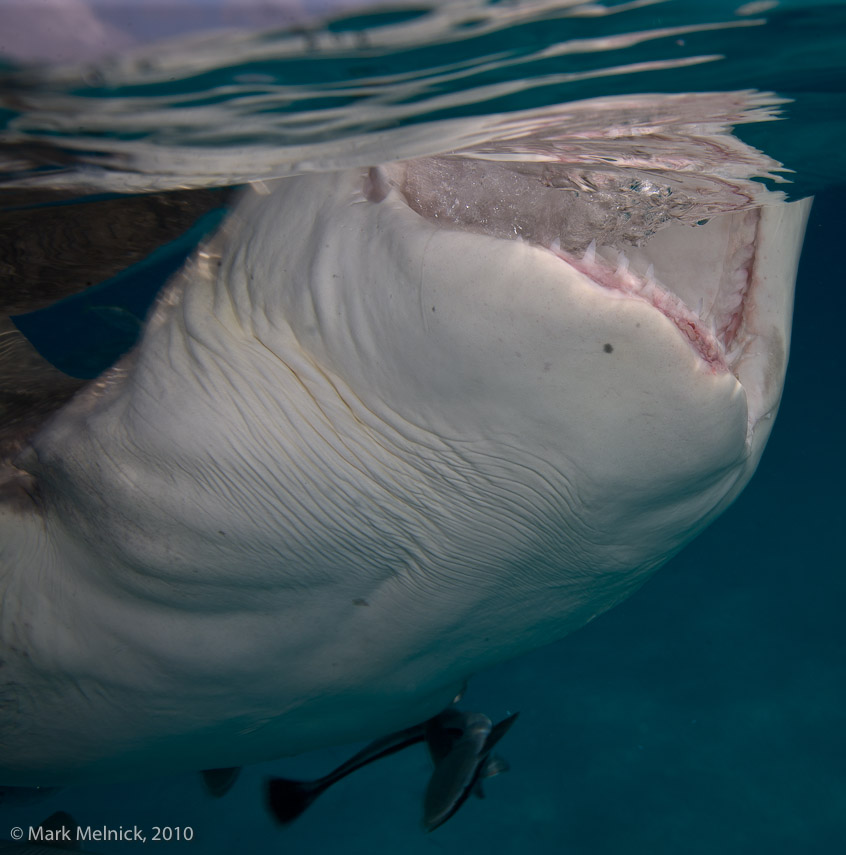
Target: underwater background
{"type": "Point", "coordinates": [704, 714]}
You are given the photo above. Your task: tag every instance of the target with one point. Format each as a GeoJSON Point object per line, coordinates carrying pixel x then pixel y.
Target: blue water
{"type": "Point", "coordinates": [706, 713]}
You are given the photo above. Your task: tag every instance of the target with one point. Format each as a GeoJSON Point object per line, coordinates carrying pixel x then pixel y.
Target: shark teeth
{"type": "Point", "coordinates": [712, 326]}
{"type": "Point", "coordinates": [648, 285]}
{"type": "Point", "coordinates": [703, 335]}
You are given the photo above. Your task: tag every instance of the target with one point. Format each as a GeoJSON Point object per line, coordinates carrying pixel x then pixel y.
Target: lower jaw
{"type": "Point", "coordinates": [711, 349]}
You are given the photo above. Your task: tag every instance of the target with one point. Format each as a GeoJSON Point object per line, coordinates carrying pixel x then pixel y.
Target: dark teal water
{"type": "Point", "coordinates": [706, 713]}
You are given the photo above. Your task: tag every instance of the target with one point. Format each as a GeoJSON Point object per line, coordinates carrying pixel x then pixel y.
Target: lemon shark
{"type": "Point", "coordinates": [372, 440]}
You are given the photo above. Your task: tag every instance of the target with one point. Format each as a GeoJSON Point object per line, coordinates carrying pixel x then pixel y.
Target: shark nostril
{"type": "Point", "coordinates": [376, 185]}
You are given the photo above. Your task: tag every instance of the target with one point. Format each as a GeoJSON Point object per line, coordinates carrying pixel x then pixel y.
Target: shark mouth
{"type": "Point", "coordinates": [692, 260]}
{"type": "Point", "coordinates": [713, 335]}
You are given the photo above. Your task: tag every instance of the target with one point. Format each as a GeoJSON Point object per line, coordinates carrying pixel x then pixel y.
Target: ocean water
{"type": "Point", "coordinates": [705, 713]}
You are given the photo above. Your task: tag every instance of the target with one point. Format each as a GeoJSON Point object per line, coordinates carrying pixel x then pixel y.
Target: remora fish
{"type": "Point", "coordinates": [459, 744]}
{"type": "Point", "coordinates": [459, 767]}
{"type": "Point", "coordinates": [367, 446]}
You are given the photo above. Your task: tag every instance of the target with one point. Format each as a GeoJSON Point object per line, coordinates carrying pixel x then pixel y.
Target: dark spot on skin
{"type": "Point", "coordinates": [360, 601]}
{"type": "Point", "coordinates": [433, 308]}
{"type": "Point", "coordinates": [221, 532]}
{"type": "Point", "coordinates": [608, 348]}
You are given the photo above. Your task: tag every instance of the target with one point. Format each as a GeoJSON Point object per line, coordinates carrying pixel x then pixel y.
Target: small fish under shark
{"type": "Point", "coordinates": [459, 743]}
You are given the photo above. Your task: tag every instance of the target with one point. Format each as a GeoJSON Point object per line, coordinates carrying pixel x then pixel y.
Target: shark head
{"type": "Point", "coordinates": [632, 362]}
{"type": "Point", "coordinates": [388, 427]}
{"type": "Point", "coordinates": [721, 275]}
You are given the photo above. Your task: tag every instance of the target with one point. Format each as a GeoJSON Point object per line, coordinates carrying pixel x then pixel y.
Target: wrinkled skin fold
{"type": "Point", "coordinates": [360, 454]}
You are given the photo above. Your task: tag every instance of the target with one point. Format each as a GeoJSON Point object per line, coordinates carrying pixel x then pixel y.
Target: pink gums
{"type": "Point", "coordinates": [688, 323]}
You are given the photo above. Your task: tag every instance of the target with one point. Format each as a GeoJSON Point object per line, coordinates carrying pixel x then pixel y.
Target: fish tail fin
{"type": "Point", "coordinates": [218, 782]}
{"type": "Point", "coordinates": [287, 799]}
{"type": "Point", "coordinates": [64, 827]}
